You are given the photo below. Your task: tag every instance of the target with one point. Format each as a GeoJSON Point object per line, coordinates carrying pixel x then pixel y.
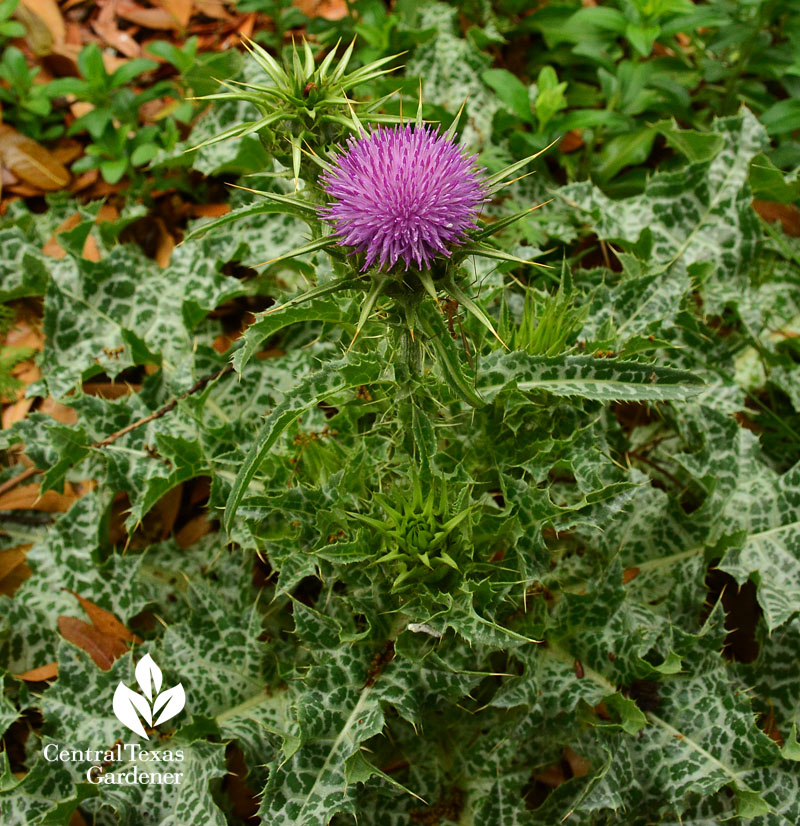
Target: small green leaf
{"type": "Point", "coordinates": [697, 147]}
{"type": "Point", "coordinates": [750, 804]}
{"type": "Point", "coordinates": [782, 117]}
{"type": "Point", "coordinates": [624, 150]}
{"type": "Point", "coordinates": [511, 91]}
{"type": "Point", "coordinates": [642, 37]}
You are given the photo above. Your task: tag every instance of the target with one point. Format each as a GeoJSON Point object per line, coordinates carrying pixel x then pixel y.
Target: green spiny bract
{"type": "Point", "coordinates": [420, 534]}
{"type": "Point", "coordinates": [306, 107]}
{"type": "Point", "coordinates": [547, 326]}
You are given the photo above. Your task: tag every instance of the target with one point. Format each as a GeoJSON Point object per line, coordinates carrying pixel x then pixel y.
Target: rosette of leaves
{"type": "Point", "coordinates": [306, 104]}
{"type": "Point", "coordinates": [420, 534]}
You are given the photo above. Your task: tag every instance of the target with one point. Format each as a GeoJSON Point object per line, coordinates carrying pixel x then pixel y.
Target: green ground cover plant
{"type": "Point", "coordinates": [449, 466]}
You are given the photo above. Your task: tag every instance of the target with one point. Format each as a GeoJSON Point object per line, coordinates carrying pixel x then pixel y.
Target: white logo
{"type": "Point", "coordinates": [129, 705]}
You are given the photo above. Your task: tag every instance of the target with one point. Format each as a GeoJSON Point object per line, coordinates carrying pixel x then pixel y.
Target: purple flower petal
{"type": "Point", "coordinates": [404, 193]}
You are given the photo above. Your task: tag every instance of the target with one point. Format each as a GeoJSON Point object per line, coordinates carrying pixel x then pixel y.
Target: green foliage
{"type": "Point", "coordinates": [548, 324]}
{"type": "Point", "coordinates": [10, 357]}
{"type": "Point", "coordinates": [419, 532]}
{"type": "Point", "coordinates": [9, 28]}
{"type": "Point", "coordinates": [493, 544]}
{"type": "Point", "coordinates": [26, 103]}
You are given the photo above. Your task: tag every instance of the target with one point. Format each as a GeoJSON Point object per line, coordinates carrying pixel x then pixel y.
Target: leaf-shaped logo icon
{"type": "Point", "coordinates": [129, 705]}
{"type": "Point", "coordinates": [126, 705]}
{"type": "Point", "coordinates": [171, 702]}
{"type": "Point", "coordinates": [148, 675]}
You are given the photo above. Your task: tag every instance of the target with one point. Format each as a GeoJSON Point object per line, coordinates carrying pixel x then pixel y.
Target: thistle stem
{"type": "Point", "coordinates": [411, 352]}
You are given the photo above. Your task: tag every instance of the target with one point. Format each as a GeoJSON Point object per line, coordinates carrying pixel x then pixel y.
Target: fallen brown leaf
{"type": "Point", "coordinates": [224, 340]}
{"type": "Point", "coordinates": [181, 10]}
{"type": "Point", "coordinates": [91, 252]}
{"type": "Point", "coordinates": [155, 110]}
{"type": "Point", "coordinates": [10, 558]}
{"type": "Point", "coordinates": [101, 647]}
{"type": "Point", "coordinates": [63, 59]}
{"type": "Point", "coordinates": [271, 353]}
{"type": "Point", "coordinates": [159, 521]}
{"type": "Point", "coordinates": [54, 249]}
{"type": "Point", "coordinates": [30, 497]}
{"type": "Point", "coordinates": [200, 490]}
{"type": "Point", "coordinates": [60, 412]}
{"type": "Point", "coordinates": [213, 9]}
{"type": "Point", "coordinates": [117, 534]}
{"type": "Point", "coordinates": [629, 574]}
{"type": "Point", "coordinates": [16, 412]}
{"type": "Point", "coordinates": [787, 214]}
{"type": "Point", "coordinates": [104, 620]}
{"type": "Point", "coordinates": [51, 247]}
{"type": "Point", "coordinates": [23, 190]}
{"type": "Point", "coordinates": [107, 212]}
{"type": "Point", "coordinates": [193, 530]}
{"type": "Point", "coordinates": [38, 675]}
{"type": "Point", "coordinates": [572, 141]}
{"type": "Point", "coordinates": [150, 18]}
{"type": "Point", "coordinates": [209, 210]}
{"type": "Point", "coordinates": [85, 180]}
{"type": "Point", "coordinates": [580, 766]}
{"type": "Point", "coordinates": [26, 372]}
{"type": "Point", "coordinates": [44, 22]}
{"type": "Point", "coordinates": [101, 189]}
{"type": "Point", "coordinates": [23, 334]}
{"type": "Point", "coordinates": [246, 27]}
{"type": "Point", "coordinates": [552, 776]}
{"type": "Point", "coordinates": [79, 108]}
{"type": "Point", "coordinates": [10, 585]}
{"type": "Point", "coordinates": [77, 819]}
{"type": "Point", "coordinates": [166, 243]}
{"type": "Point", "coordinates": [327, 9]}
{"type": "Point", "coordinates": [14, 569]}
{"type": "Point", "coordinates": [109, 390]}
{"type": "Point", "coordinates": [660, 50]}
{"type": "Point", "coordinates": [105, 25]}
{"type": "Point", "coordinates": [67, 151]}
{"type": "Point", "coordinates": [30, 161]}
{"type": "Point", "coordinates": [770, 727]}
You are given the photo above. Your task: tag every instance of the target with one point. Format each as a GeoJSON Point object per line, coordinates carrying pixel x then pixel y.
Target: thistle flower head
{"type": "Point", "coordinates": [404, 192]}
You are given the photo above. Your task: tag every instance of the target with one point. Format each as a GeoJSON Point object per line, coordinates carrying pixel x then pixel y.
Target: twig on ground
{"type": "Point", "coordinates": [167, 408]}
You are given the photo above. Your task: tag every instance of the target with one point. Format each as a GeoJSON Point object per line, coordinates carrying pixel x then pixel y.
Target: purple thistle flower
{"type": "Point", "coordinates": [402, 192]}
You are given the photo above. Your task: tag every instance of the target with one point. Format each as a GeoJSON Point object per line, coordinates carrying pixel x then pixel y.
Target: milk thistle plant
{"type": "Point", "coordinates": [434, 520]}
{"type": "Point", "coordinates": [423, 542]}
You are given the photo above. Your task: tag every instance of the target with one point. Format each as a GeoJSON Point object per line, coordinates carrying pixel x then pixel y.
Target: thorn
{"type": "Point", "coordinates": [352, 342]}
{"type": "Point", "coordinates": [514, 180]}
{"type": "Point", "coordinates": [245, 188]}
